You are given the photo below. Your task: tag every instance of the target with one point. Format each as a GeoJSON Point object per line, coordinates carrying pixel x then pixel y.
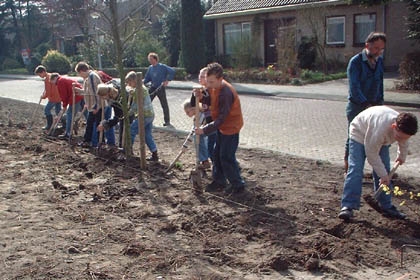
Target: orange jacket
{"type": "Point", "coordinates": [233, 121]}
{"type": "Point", "coordinates": [51, 90]}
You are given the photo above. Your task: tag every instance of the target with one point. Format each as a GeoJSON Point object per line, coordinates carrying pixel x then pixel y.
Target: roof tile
{"type": "Point", "coordinates": [225, 6]}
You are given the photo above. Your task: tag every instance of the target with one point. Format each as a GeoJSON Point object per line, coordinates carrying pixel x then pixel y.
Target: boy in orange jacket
{"type": "Point", "coordinates": [50, 92]}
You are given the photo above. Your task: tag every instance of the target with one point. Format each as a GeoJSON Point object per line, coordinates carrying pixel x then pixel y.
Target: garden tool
{"type": "Point", "coordinates": [73, 114]}
{"type": "Point", "coordinates": [76, 121]}
{"type": "Point", "coordinates": [381, 187]}
{"type": "Point", "coordinates": [34, 113]}
{"type": "Point", "coordinates": [156, 90]}
{"type": "Point", "coordinates": [196, 173]}
{"type": "Point", "coordinates": [183, 150]}
{"type": "Point", "coordinates": [101, 133]}
{"type": "Point", "coordinates": [56, 121]}
{"type": "Point", "coordinates": [373, 200]}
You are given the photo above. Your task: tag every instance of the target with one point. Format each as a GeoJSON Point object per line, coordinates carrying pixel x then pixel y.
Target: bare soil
{"type": "Point", "coordinates": [70, 213]}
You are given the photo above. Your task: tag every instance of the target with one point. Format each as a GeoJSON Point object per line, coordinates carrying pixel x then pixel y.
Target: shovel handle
{"type": "Point", "coordinates": [394, 168]}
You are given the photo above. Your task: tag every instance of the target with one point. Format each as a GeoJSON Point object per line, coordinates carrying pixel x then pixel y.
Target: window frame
{"type": "Point", "coordinates": [335, 43]}
{"type": "Point", "coordinates": [361, 44]}
{"type": "Point", "coordinates": [242, 24]}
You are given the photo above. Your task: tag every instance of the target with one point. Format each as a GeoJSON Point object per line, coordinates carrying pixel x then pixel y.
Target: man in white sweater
{"type": "Point", "coordinates": [371, 133]}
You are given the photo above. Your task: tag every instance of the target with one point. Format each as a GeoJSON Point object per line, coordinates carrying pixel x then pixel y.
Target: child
{"type": "Point", "coordinates": [203, 155]}
{"type": "Point", "coordinates": [65, 87]}
{"type": "Point", "coordinates": [225, 108]}
{"type": "Point", "coordinates": [50, 92]}
{"type": "Point", "coordinates": [211, 138]}
{"type": "Point", "coordinates": [371, 133]}
{"type": "Point", "coordinates": [148, 114]}
{"type": "Point", "coordinates": [93, 104]}
{"type": "Point", "coordinates": [109, 93]}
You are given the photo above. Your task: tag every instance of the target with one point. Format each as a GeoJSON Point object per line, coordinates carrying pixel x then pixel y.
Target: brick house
{"type": "Point", "coordinates": [278, 26]}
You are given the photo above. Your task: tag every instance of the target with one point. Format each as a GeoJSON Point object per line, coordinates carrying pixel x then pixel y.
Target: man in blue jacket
{"type": "Point", "coordinates": [159, 75]}
{"type": "Point", "coordinates": [366, 80]}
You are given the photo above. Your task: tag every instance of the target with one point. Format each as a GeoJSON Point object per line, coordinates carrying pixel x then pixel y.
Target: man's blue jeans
{"type": "Point", "coordinates": [352, 110]}
{"type": "Point", "coordinates": [225, 165]}
{"type": "Point", "coordinates": [353, 184]}
{"type": "Point", "coordinates": [148, 125]}
{"type": "Point", "coordinates": [50, 105]}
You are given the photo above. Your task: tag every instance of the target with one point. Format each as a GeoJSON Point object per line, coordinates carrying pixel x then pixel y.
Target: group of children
{"type": "Point", "coordinates": [220, 116]}
{"type": "Point", "coordinates": [90, 99]}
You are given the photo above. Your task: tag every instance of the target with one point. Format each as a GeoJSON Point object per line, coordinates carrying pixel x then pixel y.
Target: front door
{"type": "Point", "coordinates": [279, 39]}
{"type": "Point", "coordinates": [270, 41]}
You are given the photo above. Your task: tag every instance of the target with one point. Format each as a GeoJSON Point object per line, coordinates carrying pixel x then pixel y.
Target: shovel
{"type": "Point", "coordinates": [56, 121]}
{"type": "Point", "coordinates": [381, 187]}
{"type": "Point", "coordinates": [195, 175]}
{"type": "Point", "coordinates": [76, 121]}
{"type": "Point", "coordinates": [73, 114]}
{"type": "Point", "coordinates": [34, 112]}
{"type": "Point", "coordinates": [182, 151]}
{"type": "Point", "coordinates": [373, 200]}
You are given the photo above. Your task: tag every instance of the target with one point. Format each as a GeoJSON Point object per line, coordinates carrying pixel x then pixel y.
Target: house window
{"type": "Point", "coordinates": [335, 30]}
{"type": "Point", "coordinates": [363, 25]}
{"type": "Point", "coordinates": [233, 33]}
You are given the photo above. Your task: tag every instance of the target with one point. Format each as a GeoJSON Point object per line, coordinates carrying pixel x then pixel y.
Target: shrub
{"type": "Point", "coordinates": [144, 44]}
{"type": "Point", "coordinates": [55, 61]}
{"type": "Point", "coordinates": [410, 71]}
{"type": "Point", "coordinates": [42, 49]}
{"type": "Point", "coordinates": [306, 54]}
{"type": "Point", "coordinates": [317, 77]}
{"type": "Point", "coordinates": [10, 63]}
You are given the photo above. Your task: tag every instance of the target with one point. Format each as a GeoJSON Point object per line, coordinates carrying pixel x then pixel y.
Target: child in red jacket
{"type": "Point", "coordinates": [65, 88]}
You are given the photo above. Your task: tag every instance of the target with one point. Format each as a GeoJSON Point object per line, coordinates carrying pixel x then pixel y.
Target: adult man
{"type": "Point", "coordinates": [50, 92]}
{"type": "Point", "coordinates": [65, 88]}
{"type": "Point", "coordinates": [159, 75]}
{"type": "Point", "coordinates": [225, 109]}
{"type": "Point", "coordinates": [371, 133]}
{"type": "Point", "coordinates": [365, 73]}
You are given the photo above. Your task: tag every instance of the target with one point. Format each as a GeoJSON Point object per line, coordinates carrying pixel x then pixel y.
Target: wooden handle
{"type": "Point", "coordinates": [394, 168]}
{"type": "Point", "coordinates": [197, 125]}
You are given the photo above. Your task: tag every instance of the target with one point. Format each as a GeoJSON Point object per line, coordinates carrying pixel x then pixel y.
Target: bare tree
{"type": "Point", "coordinates": [122, 30]}
{"type": "Point", "coordinates": [314, 19]}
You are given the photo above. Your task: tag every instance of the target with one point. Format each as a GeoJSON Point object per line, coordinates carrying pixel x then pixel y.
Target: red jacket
{"type": "Point", "coordinates": [65, 88]}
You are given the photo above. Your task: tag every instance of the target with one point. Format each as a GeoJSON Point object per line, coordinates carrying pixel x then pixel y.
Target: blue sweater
{"type": "Point", "coordinates": [366, 85]}
{"type": "Point", "coordinates": [159, 74]}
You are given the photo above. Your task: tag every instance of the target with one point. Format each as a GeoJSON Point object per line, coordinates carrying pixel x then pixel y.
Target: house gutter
{"type": "Point", "coordinates": [275, 9]}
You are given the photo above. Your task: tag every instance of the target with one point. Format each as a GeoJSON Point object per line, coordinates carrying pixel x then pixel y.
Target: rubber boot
{"type": "Point", "coordinates": [49, 122]}
{"type": "Point", "coordinates": [63, 121]}
{"type": "Point", "coordinates": [153, 157]}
